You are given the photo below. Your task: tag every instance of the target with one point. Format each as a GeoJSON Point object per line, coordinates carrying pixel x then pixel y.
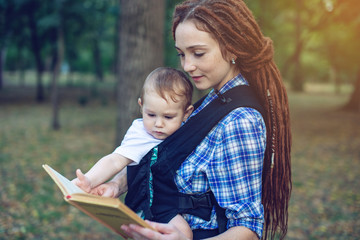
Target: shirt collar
{"type": "Point", "coordinates": [236, 81]}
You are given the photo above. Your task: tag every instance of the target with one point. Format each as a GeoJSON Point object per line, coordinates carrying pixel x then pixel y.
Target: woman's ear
{"type": "Point", "coordinates": [230, 57]}
{"type": "Point", "coordinates": [188, 111]}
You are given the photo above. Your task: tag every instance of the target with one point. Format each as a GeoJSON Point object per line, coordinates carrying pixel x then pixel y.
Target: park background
{"type": "Point", "coordinates": [71, 71]}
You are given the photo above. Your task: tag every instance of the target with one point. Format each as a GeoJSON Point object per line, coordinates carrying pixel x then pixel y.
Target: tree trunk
{"type": "Point", "coordinates": [2, 64]}
{"type": "Point", "coordinates": [354, 102]}
{"type": "Point", "coordinates": [21, 66]}
{"type": "Point", "coordinates": [35, 46]}
{"type": "Point", "coordinates": [335, 79]}
{"type": "Point", "coordinates": [115, 66]}
{"type": "Point", "coordinates": [298, 80]}
{"type": "Point", "coordinates": [59, 56]}
{"type": "Point", "coordinates": [140, 52]}
{"type": "Point", "coordinates": [97, 60]}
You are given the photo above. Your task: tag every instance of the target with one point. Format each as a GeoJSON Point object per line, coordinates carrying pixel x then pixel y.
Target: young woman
{"type": "Point", "coordinates": [245, 159]}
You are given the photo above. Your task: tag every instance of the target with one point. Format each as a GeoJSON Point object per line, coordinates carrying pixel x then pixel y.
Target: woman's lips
{"type": "Point", "coordinates": [196, 78]}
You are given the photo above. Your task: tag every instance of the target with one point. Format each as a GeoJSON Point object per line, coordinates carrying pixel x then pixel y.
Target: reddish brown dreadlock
{"type": "Point", "coordinates": [233, 25]}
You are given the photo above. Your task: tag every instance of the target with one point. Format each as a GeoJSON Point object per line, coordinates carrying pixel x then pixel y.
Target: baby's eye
{"type": "Point", "coordinates": [151, 115]}
{"type": "Point", "coordinates": [169, 117]}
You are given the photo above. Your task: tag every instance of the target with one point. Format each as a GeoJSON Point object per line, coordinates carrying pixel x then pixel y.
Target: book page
{"type": "Point", "coordinates": [69, 187]}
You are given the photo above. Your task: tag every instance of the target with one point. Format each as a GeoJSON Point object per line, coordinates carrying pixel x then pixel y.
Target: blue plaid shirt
{"type": "Point", "coordinates": [229, 161]}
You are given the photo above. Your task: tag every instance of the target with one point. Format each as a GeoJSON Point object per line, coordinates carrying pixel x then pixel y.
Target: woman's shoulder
{"type": "Point", "coordinates": [242, 119]}
{"type": "Point", "coordinates": [244, 114]}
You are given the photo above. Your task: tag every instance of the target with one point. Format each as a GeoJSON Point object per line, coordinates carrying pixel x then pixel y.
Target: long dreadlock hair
{"type": "Point", "coordinates": [233, 25]}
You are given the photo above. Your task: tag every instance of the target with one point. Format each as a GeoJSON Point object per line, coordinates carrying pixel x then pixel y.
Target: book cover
{"type": "Point", "coordinates": [111, 212]}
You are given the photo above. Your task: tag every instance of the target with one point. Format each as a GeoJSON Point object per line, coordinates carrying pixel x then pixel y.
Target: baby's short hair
{"type": "Point", "coordinates": [169, 82]}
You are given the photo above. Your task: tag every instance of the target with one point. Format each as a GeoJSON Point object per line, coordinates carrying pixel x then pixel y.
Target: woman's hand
{"type": "Point", "coordinates": [164, 232]}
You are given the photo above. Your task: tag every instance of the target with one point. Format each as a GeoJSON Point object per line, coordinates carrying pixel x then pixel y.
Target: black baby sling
{"type": "Point", "coordinates": [167, 201]}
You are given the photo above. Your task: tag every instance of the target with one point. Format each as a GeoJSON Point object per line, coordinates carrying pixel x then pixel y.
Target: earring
{"type": "Point", "coordinates": [233, 61]}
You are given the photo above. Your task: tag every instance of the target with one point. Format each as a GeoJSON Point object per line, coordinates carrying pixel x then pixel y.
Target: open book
{"type": "Point", "coordinates": [109, 211]}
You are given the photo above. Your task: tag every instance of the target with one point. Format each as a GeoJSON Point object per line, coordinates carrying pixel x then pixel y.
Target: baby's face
{"type": "Point", "coordinates": [161, 118]}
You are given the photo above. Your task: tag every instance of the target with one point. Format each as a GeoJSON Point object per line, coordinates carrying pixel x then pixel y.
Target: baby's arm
{"type": "Point", "coordinates": [103, 170]}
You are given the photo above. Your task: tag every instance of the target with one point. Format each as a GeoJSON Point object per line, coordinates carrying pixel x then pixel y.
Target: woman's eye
{"type": "Point", "coordinates": [181, 55]}
{"type": "Point", "coordinates": [199, 54]}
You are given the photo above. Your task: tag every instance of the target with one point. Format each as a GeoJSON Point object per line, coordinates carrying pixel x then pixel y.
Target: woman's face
{"type": "Point", "coordinates": [201, 57]}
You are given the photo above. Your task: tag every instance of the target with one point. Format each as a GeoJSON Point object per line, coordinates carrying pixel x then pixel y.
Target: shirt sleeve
{"type": "Point", "coordinates": [137, 142]}
{"type": "Point", "coordinates": [235, 172]}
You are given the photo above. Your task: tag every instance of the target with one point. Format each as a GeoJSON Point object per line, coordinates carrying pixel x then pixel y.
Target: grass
{"type": "Point", "coordinates": [325, 202]}
{"type": "Point", "coordinates": [31, 205]}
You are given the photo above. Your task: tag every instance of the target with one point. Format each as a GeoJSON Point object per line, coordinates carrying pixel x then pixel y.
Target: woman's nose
{"type": "Point", "coordinates": [188, 65]}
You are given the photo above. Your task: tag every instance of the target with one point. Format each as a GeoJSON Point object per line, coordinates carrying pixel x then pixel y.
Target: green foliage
{"type": "Point", "coordinates": [328, 34]}
{"type": "Point", "coordinates": [85, 23]}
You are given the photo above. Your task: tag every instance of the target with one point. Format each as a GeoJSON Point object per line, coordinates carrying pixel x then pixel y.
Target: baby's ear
{"type": "Point", "coordinates": [188, 111]}
{"type": "Point", "coordinates": [140, 104]}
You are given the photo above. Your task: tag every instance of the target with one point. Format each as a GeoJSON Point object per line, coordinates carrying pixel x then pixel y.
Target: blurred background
{"type": "Point", "coordinates": [71, 72]}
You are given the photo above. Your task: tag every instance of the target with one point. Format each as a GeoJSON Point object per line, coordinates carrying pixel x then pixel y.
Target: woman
{"type": "Point", "coordinates": [245, 159]}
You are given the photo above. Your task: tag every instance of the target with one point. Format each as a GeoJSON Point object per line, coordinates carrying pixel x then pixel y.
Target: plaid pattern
{"type": "Point", "coordinates": [229, 162]}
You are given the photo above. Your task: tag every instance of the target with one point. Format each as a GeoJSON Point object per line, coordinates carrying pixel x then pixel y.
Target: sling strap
{"type": "Point", "coordinates": [167, 200]}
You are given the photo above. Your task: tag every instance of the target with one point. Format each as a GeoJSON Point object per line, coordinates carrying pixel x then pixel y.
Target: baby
{"type": "Point", "coordinates": [165, 103]}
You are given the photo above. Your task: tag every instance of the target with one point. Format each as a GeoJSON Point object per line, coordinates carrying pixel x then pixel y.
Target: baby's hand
{"type": "Point", "coordinates": [108, 189]}
{"type": "Point", "coordinates": [82, 181]}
